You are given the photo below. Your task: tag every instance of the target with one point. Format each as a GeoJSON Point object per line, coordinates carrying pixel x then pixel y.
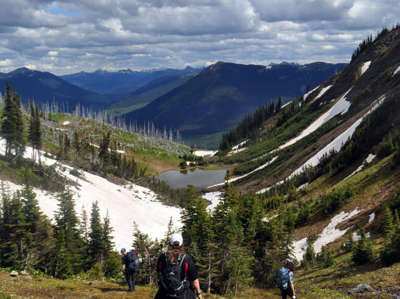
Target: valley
{"type": "Point", "coordinates": [253, 164]}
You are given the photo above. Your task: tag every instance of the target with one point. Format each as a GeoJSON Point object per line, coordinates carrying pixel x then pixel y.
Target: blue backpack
{"type": "Point", "coordinates": [133, 261]}
{"type": "Point", "coordinates": [282, 278]}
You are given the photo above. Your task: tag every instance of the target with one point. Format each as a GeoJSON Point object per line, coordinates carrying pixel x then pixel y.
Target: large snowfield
{"type": "Point", "coordinates": [125, 204]}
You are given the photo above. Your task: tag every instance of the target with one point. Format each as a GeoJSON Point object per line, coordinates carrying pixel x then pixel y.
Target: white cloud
{"type": "Point", "coordinates": [139, 34]}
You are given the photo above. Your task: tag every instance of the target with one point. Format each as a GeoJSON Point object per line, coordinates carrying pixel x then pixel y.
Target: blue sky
{"type": "Point", "coordinates": [70, 35]}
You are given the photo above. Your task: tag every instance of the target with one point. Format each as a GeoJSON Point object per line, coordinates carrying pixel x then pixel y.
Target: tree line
{"type": "Point", "coordinates": [30, 241]}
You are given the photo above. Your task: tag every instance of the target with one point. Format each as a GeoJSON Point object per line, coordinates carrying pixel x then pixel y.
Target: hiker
{"type": "Point", "coordinates": [178, 277]}
{"type": "Point", "coordinates": [130, 263]}
{"type": "Point", "coordinates": [285, 280]}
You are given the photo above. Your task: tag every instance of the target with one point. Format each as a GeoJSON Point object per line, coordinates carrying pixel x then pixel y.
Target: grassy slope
{"type": "Point", "coordinates": [156, 155]}
{"type": "Point", "coordinates": [43, 287]}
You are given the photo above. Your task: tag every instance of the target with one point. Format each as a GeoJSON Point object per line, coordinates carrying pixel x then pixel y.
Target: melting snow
{"type": "Point", "coordinates": [214, 198]}
{"type": "Point", "coordinates": [300, 248]}
{"type": "Point", "coordinates": [329, 234]}
{"type": "Point", "coordinates": [396, 71]}
{"type": "Point", "coordinates": [302, 186]}
{"type": "Point", "coordinates": [369, 159]}
{"type": "Point", "coordinates": [238, 148]}
{"type": "Point", "coordinates": [371, 217]}
{"type": "Point", "coordinates": [247, 174]}
{"type": "Point", "coordinates": [341, 107]}
{"type": "Point", "coordinates": [124, 203]}
{"type": "Point", "coordinates": [305, 96]}
{"type": "Point", "coordinates": [322, 92]}
{"type": "Point", "coordinates": [284, 105]}
{"type": "Point", "coordinates": [365, 67]}
{"type": "Point", "coordinates": [337, 143]}
{"type": "Point", "coordinates": [204, 153]}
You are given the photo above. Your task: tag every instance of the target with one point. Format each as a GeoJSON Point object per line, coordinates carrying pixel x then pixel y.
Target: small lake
{"type": "Point", "coordinates": [198, 178]}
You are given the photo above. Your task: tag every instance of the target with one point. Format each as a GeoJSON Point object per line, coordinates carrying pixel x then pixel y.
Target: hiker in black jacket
{"type": "Point", "coordinates": [178, 276]}
{"type": "Point", "coordinates": [129, 267]}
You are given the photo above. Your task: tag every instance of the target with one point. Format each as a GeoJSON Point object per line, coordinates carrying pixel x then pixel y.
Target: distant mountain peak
{"type": "Point", "coordinates": [22, 70]}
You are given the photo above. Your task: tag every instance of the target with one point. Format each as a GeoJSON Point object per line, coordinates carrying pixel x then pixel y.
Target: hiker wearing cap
{"type": "Point", "coordinates": [178, 276]}
{"type": "Point", "coordinates": [130, 263]}
{"type": "Point", "coordinates": [285, 280]}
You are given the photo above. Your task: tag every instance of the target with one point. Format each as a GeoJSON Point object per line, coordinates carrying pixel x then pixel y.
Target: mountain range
{"type": "Point", "coordinates": [44, 87]}
{"type": "Point", "coordinates": [220, 95]}
{"type": "Point", "coordinates": [121, 82]}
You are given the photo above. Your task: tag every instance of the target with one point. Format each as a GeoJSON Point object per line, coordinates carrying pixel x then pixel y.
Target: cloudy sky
{"type": "Point", "coordinates": [67, 36]}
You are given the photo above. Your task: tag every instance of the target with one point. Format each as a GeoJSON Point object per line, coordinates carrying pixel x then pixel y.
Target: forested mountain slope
{"type": "Point", "coordinates": [46, 88]}
{"type": "Point", "coordinates": [320, 178]}
{"type": "Point", "coordinates": [217, 98]}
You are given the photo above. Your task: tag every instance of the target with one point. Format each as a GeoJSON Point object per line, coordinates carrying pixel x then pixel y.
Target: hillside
{"type": "Point", "coordinates": [121, 82]}
{"type": "Point", "coordinates": [46, 88]}
{"type": "Point", "coordinates": [216, 99]}
{"type": "Point", "coordinates": [148, 93]}
{"type": "Point", "coordinates": [70, 158]}
{"type": "Point", "coordinates": [327, 167]}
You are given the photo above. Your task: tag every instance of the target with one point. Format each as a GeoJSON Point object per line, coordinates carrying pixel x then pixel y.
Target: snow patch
{"type": "Point", "coordinates": [125, 204]}
{"type": "Point", "coordinates": [322, 92]}
{"type": "Point", "coordinates": [284, 105]}
{"type": "Point", "coordinates": [337, 143]}
{"type": "Point", "coordinates": [66, 123]}
{"type": "Point", "coordinates": [396, 71]}
{"type": "Point", "coordinates": [238, 148]}
{"type": "Point", "coordinates": [306, 95]}
{"type": "Point", "coordinates": [341, 107]}
{"type": "Point", "coordinates": [204, 153]}
{"type": "Point", "coordinates": [371, 217]}
{"type": "Point", "coordinates": [247, 174]}
{"type": "Point", "coordinates": [214, 198]}
{"type": "Point", "coordinates": [329, 234]}
{"type": "Point", "coordinates": [302, 186]}
{"type": "Point", "coordinates": [365, 67]}
{"type": "Point", "coordinates": [300, 248]}
{"type": "Point", "coordinates": [369, 159]}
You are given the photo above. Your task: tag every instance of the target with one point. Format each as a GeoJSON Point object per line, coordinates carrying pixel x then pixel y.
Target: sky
{"type": "Point", "coordinates": [69, 36]}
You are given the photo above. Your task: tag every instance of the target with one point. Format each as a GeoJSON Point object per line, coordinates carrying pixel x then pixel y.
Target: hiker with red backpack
{"type": "Point", "coordinates": [285, 280]}
{"type": "Point", "coordinates": [130, 264]}
{"type": "Point", "coordinates": [178, 276]}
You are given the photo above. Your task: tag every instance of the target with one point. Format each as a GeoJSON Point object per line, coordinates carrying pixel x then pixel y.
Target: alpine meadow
{"type": "Point", "coordinates": [200, 149]}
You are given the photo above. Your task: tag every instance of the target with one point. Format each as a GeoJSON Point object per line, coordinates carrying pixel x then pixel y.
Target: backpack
{"type": "Point", "coordinates": [171, 275]}
{"type": "Point", "coordinates": [282, 278]}
{"type": "Point", "coordinates": [132, 261]}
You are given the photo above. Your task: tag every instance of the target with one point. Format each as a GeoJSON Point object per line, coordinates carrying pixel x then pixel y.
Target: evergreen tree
{"type": "Point", "coordinates": [149, 251]}
{"type": "Point", "coordinates": [69, 245]}
{"type": "Point", "coordinates": [13, 246]}
{"type": "Point", "coordinates": [388, 226]}
{"type": "Point", "coordinates": [103, 150]}
{"type": "Point", "coordinates": [12, 128]}
{"type": "Point", "coordinates": [362, 252]}
{"type": "Point", "coordinates": [108, 243]}
{"type": "Point", "coordinates": [233, 258]}
{"type": "Point", "coordinates": [96, 242]}
{"type": "Point", "coordinates": [309, 255]}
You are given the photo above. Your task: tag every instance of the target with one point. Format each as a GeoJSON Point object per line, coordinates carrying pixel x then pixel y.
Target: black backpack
{"type": "Point", "coordinates": [171, 280]}
{"type": "Point", "coordinates": [132, 261]}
